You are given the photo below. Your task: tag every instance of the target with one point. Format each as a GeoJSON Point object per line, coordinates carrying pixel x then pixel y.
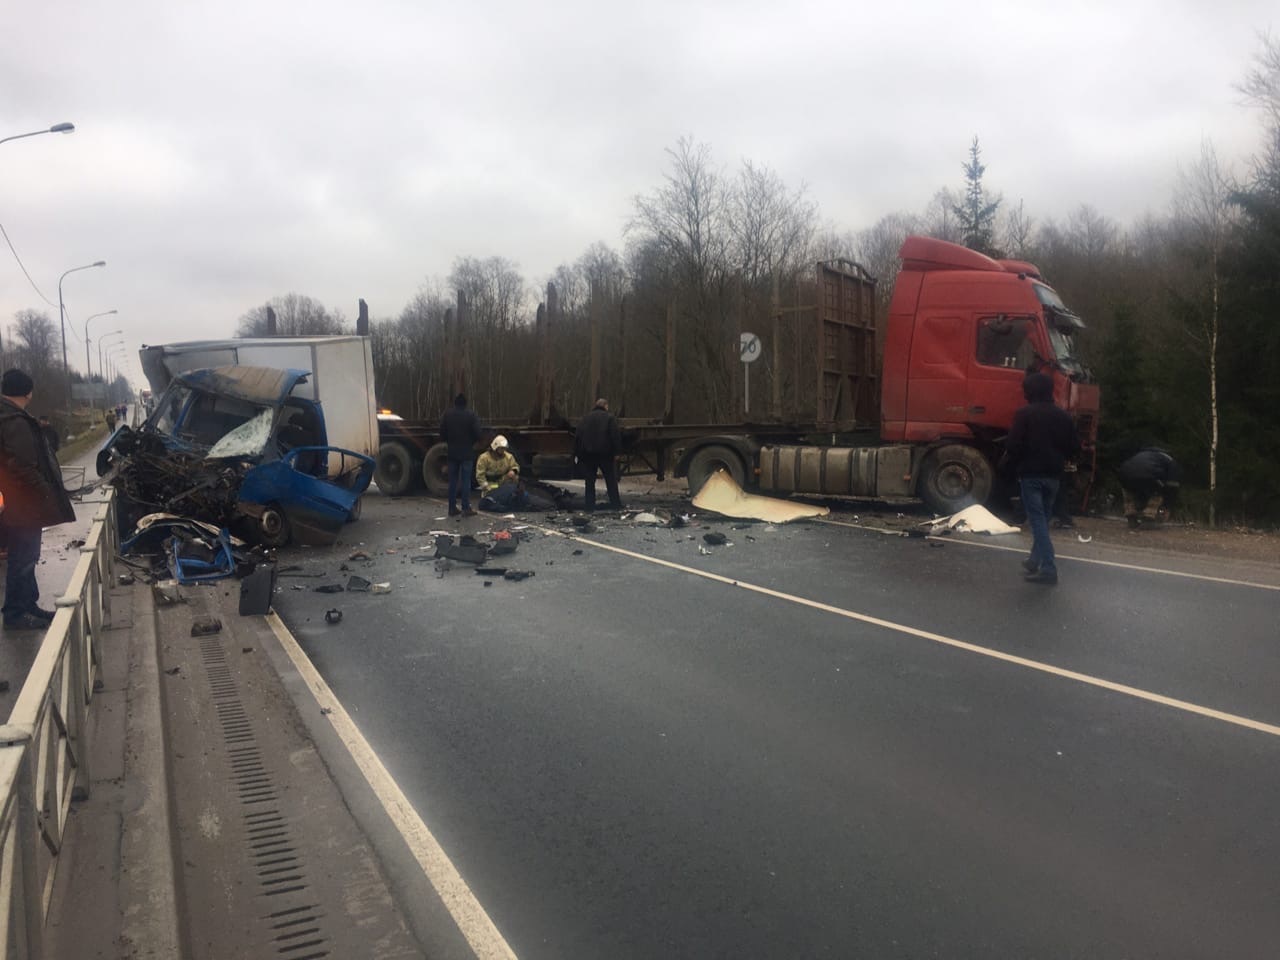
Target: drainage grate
{"type": "Point", "coordinates": [295, 929]}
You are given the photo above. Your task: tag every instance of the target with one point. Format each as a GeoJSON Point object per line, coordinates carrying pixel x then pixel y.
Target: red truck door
{"type": "Point", "coordinates": [1005, 347]}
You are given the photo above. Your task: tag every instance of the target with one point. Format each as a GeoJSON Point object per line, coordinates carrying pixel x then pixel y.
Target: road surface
{"type": "Point", "coordinates": [821, 740]}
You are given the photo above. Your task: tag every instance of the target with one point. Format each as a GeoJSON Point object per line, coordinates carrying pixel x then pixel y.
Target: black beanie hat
{"type": "Point", "coordinates": [15, 383]}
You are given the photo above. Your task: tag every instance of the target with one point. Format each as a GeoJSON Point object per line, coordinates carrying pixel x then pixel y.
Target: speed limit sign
{"type": "Point", "coordinates": [749, 348]}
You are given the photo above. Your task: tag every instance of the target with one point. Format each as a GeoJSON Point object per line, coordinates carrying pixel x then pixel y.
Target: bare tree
{"type": "Point", "coordinates": [297, 315]}
{"type": "Point", "coordinates": [1017, 230]}
{"type": "Point", "coordinates": [1204, 211]}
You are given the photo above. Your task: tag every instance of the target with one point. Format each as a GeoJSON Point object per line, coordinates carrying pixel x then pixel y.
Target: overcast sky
{"type": "Point", "coordinates": [227, 153]}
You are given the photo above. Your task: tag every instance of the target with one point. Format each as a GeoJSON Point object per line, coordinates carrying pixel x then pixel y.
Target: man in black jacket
{"type": "Point", "coordinates": [596, 442]}
{"type": "Point", "coordinates": [1150, 479]}
{"type": "Point", "coordinates": [1041, 441]}
{"type": "Point", "coordinates": [34, 498]}
{"type": "Point", "coordinates": [460, 429]}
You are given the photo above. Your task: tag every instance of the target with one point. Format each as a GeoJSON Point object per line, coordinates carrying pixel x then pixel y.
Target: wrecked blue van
{"type": "Point", "coordinates": [234, 446]}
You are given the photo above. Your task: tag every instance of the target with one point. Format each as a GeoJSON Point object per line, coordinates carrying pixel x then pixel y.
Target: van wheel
{"type": "Point", "coordinates": [394, 472]}
{"type": "Point", "coordinates": [710, 459]}
{"type": "Point", "coordinates": [954, 477]}
{"type": "Point", "coordinates": [273, 527]}
{"type": "Point", "coordinates": [435, 470]}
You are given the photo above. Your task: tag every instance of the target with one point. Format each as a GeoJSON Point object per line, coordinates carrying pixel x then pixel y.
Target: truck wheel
{"type": "Point", "coordinates": [954, 477]}
{"type": "Point", "coordinates": [435, 470]}
{"type": "Point", "coordinates": [273, 527]}
{"type": "Point", "coordinates": [393, 472]}
{"type": "Point", "coordinates": [710, 459]}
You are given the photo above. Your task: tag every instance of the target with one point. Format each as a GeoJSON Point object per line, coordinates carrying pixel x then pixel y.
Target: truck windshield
{"type": "Point", "coordinates": [1062, 325]}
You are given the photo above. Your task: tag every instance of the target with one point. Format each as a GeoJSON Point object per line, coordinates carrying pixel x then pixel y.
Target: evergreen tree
{"type": "Point", "coordinates": [977, 214]}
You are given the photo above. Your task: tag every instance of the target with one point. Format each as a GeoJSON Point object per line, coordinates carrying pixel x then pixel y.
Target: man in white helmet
{"type": "Point", "coordinates": [496, 466]}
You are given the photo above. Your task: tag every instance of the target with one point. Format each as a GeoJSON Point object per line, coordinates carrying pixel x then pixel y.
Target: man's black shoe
{"type": "Point", "coordinates": [454, 511]}
{"type": "Point", "coordinates": [45, 615]}
{"type": "Point", "coordinates": [1030, 565]}
{"type": "Point", "coordinates": [25, 621]}
{"type": "Point", "coordinates": [1042, 576]}
{"type": "Point", "coordinates": [468, 512]}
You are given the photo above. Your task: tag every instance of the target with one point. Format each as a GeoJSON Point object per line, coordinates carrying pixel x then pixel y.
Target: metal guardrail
{"type": "Point", "coordinates": [45, 749]}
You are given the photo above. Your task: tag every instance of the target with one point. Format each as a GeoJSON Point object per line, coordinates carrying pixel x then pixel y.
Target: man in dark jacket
{"type": "Point", "coordinates": [1041, 441]}
{"type": "Point", "coordinates": [596, 442]}
{"type": "Point", "coordinates": [1150, 479]}
{"type": "Point", "coordinates": [34, 498]}
{"type": "Point", "coordinates": [460, 429]}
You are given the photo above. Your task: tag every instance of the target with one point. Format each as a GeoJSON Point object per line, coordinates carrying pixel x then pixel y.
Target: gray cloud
{"type": "Point", "coordinates": [229, 153]}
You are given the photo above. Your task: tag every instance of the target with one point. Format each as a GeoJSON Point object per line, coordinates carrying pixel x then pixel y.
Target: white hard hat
{"type": "Point", "coordinates": [499, 443]}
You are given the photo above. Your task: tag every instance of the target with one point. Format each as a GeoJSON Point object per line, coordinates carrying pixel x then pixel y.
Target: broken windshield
{"type": "Point", "coordinates": [1062, 325]}
{"type": "Point", "coordinates": [247, 440]}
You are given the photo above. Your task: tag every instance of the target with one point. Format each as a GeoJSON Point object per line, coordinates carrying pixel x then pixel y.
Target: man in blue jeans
{"type": "Point", "coordinates": [1041, 441]}
{"type": "Point", "coordinates": [33, 498]}
{"type": "Point", "coordinates": [460, 429]}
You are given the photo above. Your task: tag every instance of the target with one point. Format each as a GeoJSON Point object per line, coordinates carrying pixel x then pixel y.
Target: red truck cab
{"type": "Point", "coordinates": [963, 332]}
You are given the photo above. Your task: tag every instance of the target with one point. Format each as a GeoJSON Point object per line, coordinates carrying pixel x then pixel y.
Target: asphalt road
{"type": "Point", "coordinates": [839, 743]}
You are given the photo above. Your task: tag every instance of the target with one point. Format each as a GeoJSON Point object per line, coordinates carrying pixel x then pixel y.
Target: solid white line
{"type": "Point", "coordinates": [1136, 692]}
{"type": "Point", "coordinates": [1067, 556]}
{"type": "Point", "coordinates": [471, 918]}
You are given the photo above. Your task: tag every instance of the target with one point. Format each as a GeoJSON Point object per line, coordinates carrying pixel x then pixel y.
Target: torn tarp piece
{"type": "Point", "coordinates": [720, 494]}
{"type": "Point", "coordinates": [974, 519]}
{"type": "Point", "coordinates": [356, 584]}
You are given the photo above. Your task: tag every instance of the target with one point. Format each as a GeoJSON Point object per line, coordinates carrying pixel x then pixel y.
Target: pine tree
{"type": "Point", "coordinates": [977, 215]}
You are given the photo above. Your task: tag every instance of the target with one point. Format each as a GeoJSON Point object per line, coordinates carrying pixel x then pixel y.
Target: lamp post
{"type": "Point", "coordinates": [62, 322]}
{"type": "Point", "coordinates": [115, 352]}
{"type": "Point", "coordinates": [56, 128]}
{"type": "Point", "coordinates": [101, 340]}
{"type": "Point", "coordinates": [88, 364]}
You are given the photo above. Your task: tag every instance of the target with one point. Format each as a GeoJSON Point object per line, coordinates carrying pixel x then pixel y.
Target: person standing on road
{"type": "Point", "coordinates": [34, 498]}
{"type": "Point", "coordinates": [460, 429]}
{"type": "Point", "coordinates": [597, 441]}
{"type": "Point", "coordinates": [1150, 479]}
{"type": "Point", "coordinates": [1041, 441]}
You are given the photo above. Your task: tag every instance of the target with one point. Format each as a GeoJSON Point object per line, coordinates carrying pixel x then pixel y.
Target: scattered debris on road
{"type": "Point", "coordinates": [206, 626]}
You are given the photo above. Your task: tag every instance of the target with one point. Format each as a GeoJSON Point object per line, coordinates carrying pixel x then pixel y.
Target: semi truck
{"type": "Point", "coordinates": [924, 415]}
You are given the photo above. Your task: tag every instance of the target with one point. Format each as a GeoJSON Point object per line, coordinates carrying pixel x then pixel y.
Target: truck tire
{"type": "Point", "coordinates": [710, 459]}
{"type": "Point", "coordinates": [435, 470]}
{"type": "Point", "coordinates": [394, 471]}
{"type": "Point", "coordinates": [954, 477]}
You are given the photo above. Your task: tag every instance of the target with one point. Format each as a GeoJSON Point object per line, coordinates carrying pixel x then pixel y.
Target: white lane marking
{"type": "Point", "coordinates": [1085, 678]}
{"type": "Point", "coordinates": [471, 918]}
{"type": "Point", "coordinates": [1067, 556]}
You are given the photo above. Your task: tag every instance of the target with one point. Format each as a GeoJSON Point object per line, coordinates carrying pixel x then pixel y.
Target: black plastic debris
{"type": "Point", "coordinates": [173, 671]}
{"type": "Point", "coordinates": [333, 616]}
{"type": "Point", "coordinates": [329, 588]}
{"type": "Point", "coordinates": [577, 553]}
{"type": "Point", "coordinates": [357, 584]}
{"type": "Point", "coordinates": [464, 553]}
{"type": "Point", "coordinates": [580, 520]}
{"type": "Point", "coordinates": [491, 571]}
{"type": "Point", "coordinates": [206, 626]}
{"type": "Point", "coordinates": [715, 539]}
{"type": "Point", "coordinates": [517, 575]}
{"type": "Point", "coordinates": [256, 590]}
{"type": "Point", "coordinates": [125, 579]}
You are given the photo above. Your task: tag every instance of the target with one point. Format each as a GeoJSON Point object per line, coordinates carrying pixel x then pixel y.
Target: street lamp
{"type": "Point", "coordinates": [115, 352]}
{"type": "Point", "coordinates": [88, 364]}
{"type": "Point", "coordinates": [56, 128]}
{"type": "Point", "coordinates": [101, 340]}
{"type": "Point", "coordinates": [62, 322]}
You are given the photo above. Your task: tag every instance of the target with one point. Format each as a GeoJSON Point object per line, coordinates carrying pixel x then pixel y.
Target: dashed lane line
{"type": "Point", "coordinates": [1125, 689]}
{"type": "Point", "coordinates": [1067, 556]}
{"type": "Point", "coordinates": [472, 920]}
